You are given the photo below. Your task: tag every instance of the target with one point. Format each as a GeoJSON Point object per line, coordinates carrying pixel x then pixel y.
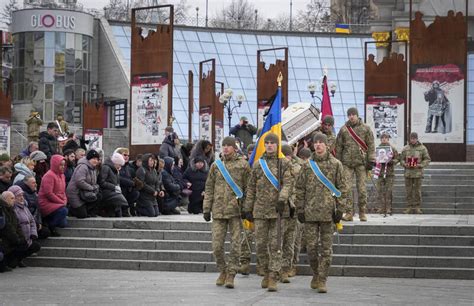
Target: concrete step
{"type": "Point", "coordinates": [438, 211]}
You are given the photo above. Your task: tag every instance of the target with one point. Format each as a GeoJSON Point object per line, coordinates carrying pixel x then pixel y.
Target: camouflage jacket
{"type": "Point", "coordinates": [331, 139]}
{"type": "Point", "coordinates": [391, 165]}
{"type": "Point", "coordinates": [262, 196]}
{"type": "Point", "coordinates": [312, 197]}
{"type": "Point", "coordinates": [219, 197]}
{"type": "Point", "coordinates": [295, 171]}
{"type": "Point", "coordinates": [419, 151]}
{"type": "Point", "coordinates": [348, 150]}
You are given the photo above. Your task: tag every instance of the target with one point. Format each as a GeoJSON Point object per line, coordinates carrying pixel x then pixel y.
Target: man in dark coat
{"type": "Point", "coordinates": [196, 174]}
{"type": "Point", "coordinates": [48, 142]}
{"type": "Point", "coordinates": [244, 131]}
{"type": "Point", "coordinates": [168, 147]}
{"type": "Point", "coordinates": [5, 178]}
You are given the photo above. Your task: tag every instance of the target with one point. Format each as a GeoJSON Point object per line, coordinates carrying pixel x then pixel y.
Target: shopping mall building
{"type": "Point", "coordinates": [61, 57]}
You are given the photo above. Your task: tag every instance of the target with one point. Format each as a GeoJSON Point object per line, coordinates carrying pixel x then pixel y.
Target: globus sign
{"type": "Point", "coordinates": [51, 20]}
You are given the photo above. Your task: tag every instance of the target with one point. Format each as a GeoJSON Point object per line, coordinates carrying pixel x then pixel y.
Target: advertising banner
{"type": "Point", "coordinates": [205, 123]}
{"type": "Point", "coordinates": [437, 103]}
{"type": "Point", "coordinates": [95, 138]}
{"type": "Point", "coordinates": [5, 136]}
{"type": "Point", "coordinates": [386, 115]}
{"type": "Point", "coordinates": [149, 108]}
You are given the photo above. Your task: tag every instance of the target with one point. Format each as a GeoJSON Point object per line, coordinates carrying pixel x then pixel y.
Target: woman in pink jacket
{"type": "Point", "coordinates": [52, 195]}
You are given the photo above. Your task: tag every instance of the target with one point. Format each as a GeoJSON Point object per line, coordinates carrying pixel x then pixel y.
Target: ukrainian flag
{"type": "Point", "coordinates": [272, 125]}
{"type": "Point", "coordinates": [342, 28]}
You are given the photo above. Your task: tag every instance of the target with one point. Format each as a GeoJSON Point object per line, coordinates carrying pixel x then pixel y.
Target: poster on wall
{"type": "Point", "coordinates": [149, 108]}
{"type": "Point", "coordinates": [4, 136]}
{"type": "Point", "coordinates": [386, 115]}
{"type": "Point", "coordinates": [95, 138]}
{"type": "Point", "coordinates": [205, 123]}
{"type": "Point", "coordinates": [437, 103]}
{"type": "Point", "coordinates": [219, 136]}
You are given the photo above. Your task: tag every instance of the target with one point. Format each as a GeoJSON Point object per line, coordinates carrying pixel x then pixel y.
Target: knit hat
{"type": "Point", "coordinates": [4, 157]}
{"type": "Point", "coordinates": [37, 156]}
{"type": "Point", "coordinates": [286, 150]}
{"type": "Point", "coordinates": [328, 119]}
{"type": "Point", "coordinates": [229, 141]}
{"type": "Point", "coordinates": [250, 147]}
{"type": "Point", "coordinates": [92, 154]}
{"type": "Point", "coordinates": [16, 190]}
{"type": "Point", "coordinates": [414, 135]}
{"type": "Point", "coordinates": [352, 111]}
{"type": "Point", "coordinates": [304, 153]}
{"type": "Point", "coordinates": [271, 137]}
{"type": "Point", "coordinates": [117, 159]}
{"type": "Point", "coordinates": [321, 138]}
{"type": "Point", "coordinates": [243, 118]}
{"type": "Point", "coordinates": [199, 159]}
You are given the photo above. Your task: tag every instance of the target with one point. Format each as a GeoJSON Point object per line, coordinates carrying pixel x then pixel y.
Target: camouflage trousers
{"type": "Point", "coordinates": [384, 189]}
{"type": "Point", "coordinates": [413, 189]}
{"type": "Point", "coordinates": [319, 256]}
{"type": "Point", "coordinates": [361, 174]}
{"type": "Point", "coordinates": [219, 231]}
{"type": "Point", "coordinates": [246, 245]}
{"type": "Point", "coordinates": [289, 226]}
{"type": "Point", "coordinates": [267, 245]}
{"type": "Point", "coordinates": [299, 243]}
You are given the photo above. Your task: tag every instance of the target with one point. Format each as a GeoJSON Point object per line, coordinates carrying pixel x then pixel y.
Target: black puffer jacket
{"type": "Point", "coordinates": [109, 181]}
{"type": "Point", "coordinates": [151, 183]}
{"type": "Point", "coordinates": [11, 236]}
{"type": "Point", "coordinates": [48, 144]}
{"type": "Point", "coordinates": [31, 198]}
{"type": "Point", "coordinates": [198, 180]}
{"type": "Point", "coordinates": [168, 148]}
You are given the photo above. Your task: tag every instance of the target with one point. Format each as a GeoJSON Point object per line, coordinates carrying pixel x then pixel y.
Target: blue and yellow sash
{"type": "Point", "coordinates": [269, 174]}
{"type": "Point", "coordinates": [323, 179]}
{"type": "Point", "coordinates": [238, 192]}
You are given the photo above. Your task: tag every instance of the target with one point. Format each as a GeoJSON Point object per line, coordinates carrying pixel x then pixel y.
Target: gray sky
{"type": "Point", "coordinates": [266, 8]}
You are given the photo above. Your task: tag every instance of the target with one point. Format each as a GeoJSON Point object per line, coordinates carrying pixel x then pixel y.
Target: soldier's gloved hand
{"type": "Point", "coordinates": [370, 165]}
{"type": "Point", "coordinates": [292, 211]}
{"type": "Point", "coordinates": [301, 218]}
{"type": "Point", "coordinates": [337, 217]}
{"type": "Point", "coordinates": [280, 208]}
{"type": "Point", "coordinates": [207, 216]}
{"type": "Point", "coordinates": [249, 216]}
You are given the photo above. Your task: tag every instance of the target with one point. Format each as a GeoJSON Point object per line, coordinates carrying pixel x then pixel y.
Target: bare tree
{"type": "Point", "coordinates": [239, 14]}
{"type": "Point", "coordinates": [121, 10]}
{"type": "Point", "coordinates": [117, 10]}
{"type": "Point", "coordinates": [280, 23]}
{"type": "Point", "coordinates": [315, 18]}
{"type": "Point", "coordinates": [7, 12]}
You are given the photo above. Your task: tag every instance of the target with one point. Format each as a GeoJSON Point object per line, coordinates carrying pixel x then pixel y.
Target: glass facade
{"type": "Point", "coordinates": [51, 70]}
{"type": "Point", "coordinates": [236, 61]}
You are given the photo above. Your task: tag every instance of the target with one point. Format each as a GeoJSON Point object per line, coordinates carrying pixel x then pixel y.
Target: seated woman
{"type": "Point", "coordinates": [52, 196]}
{"type": "Point", "coordinates": [112, 198]}
{"type": "Point", "coordinates": [196, 174]}
{"type": "Point", "coordinates": [26, 221]}
{"type": "Point", "coordinates": [83, 192]}
{"type": "Point", "coordinates": [146, 203]}
{"type": "Point", "coordinates": [23, 168]}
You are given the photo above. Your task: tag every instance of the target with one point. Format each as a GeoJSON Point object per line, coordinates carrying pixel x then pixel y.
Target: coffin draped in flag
{"type": "Point", "coordinates": [272, 125]}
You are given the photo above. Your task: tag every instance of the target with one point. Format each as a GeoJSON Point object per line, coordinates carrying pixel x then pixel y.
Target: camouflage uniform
{"type": "Point", "coordinates": [316, 202]}
{"type": "Point", "coordinates": [355, 160]}
{"type": "Point", "coordinates": [385, 183]}
{"type": "Point", "coordinates": [414, 176]}
{"type": "Point", "coordinates": [226, 210]}
{"type": "Point", "coordinates": [261, 200]}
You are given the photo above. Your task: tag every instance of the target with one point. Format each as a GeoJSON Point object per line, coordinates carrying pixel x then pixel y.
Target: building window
{"type": "Point", "coordinates": [120, 114]}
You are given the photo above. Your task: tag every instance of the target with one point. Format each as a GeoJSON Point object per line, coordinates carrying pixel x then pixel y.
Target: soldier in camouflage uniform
{"type": "Point", "coordinates": [414, 159]}
{"type": "Point", "coordinates": [327, 127]}
{"type": "Point", "coordinates": [266, 203]}
{"type": "Point", "coordinates": [316, 205]}
{"type": "Point", "coordinates": [221, 201]}
{"type": "Point", "coordinates": [355, 160]}
{"type": "Point", "coordinates": [290, 227]}
{"type": "Point", "coordinates": [386, 178]}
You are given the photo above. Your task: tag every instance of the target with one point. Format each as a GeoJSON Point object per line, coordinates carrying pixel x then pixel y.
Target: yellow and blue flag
{"type": "Point", "coordinates": [272, 125]}
{"type": "Point", "coordinates": [342, 28]}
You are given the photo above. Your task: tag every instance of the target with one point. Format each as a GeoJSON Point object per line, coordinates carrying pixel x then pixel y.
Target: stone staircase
{"type": "Point", "coordinates": [411, 246]}
{"type": "Point", "coordinates": [448, 188]}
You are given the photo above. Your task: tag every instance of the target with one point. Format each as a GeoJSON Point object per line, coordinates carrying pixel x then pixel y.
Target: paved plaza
{"type": "Point", "coordinates": [34, 286]}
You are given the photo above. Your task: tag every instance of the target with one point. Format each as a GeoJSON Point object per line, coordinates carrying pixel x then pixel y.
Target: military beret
{"type": "Point", "coordinates": [286, 150]}
{"type": "Point", "coordinates": [271, 137]}
{"type": "Point", "coordinates": [352, 111]}
{"type": "Point", "coordinates": [328, 119]}
{"type": "Point", "coordinates": [414, 135]}
{"type": "Point", "coordinates": [320, 137]}
{"type": "Point", "coordinates": [229, 141]}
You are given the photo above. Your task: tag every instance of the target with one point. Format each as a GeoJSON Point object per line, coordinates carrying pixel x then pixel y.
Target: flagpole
{"type": "Point", "coordinates": [279, 80]}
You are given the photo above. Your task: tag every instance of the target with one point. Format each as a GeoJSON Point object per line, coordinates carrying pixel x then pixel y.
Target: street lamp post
{"type": "Point", "coordinates": [230, 104]}
{"type": "Point", "coordinates": [312, 90]}
{"type": "Point", "coordinates": [197, 16]}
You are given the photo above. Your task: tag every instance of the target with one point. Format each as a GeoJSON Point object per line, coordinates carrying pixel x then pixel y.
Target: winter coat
{"type": "Point", "coordinates": [25, 153]}
{"type": "Point", "coordinates": [172, 186]}
{"type": "Point", "coordinates": [168, 148]}
{"type": "Point", "coordinates": [4, 186]}
{"type": "Point", "coordinates": [69, 171]}
{"type": "Point", "coordinates": [31, 198]}
{"type": "Point", "coordinates": [83, 178]}
{"type": "Point", "coordinates": [33, 124]}
{"type": "Point", "coordinates": [11, 235]}
{"type": "Point", "coordinates": [348, 150]}
{"type": "Point", "coordinates": [40, 169]}
{"type": "Point", "coordinates": [197, 178]}
{"type": "Point", "coordinates": [312, 197]}
{"type": "Point", "coordinates": [109, 181]}
{"type": "Point", "coordinates": [52, 194]}
{"type": "Point", "coordinates": [48, 144]}
{"type": "Point", "coordinates": [23, 171]}
{"type": "Point", "coordinates": [151, 183]}
{"type": "Point", "coordinates": [26, 221]}
{"type": "Point", "coordinates": [126, 178]}
{"type": "Point", "coordinates": [71, 144]}
{"type": "Point", "coordinates": [244, 133]}
{"type": "Point", "coordinates": [419, 152]}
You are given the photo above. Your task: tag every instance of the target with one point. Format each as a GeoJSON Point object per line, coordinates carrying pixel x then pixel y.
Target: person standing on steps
{"type": "Point", "coordinates": [225, 189]}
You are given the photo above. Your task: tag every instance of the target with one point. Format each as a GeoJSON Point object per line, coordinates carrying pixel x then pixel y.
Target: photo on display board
{"type": "Point", "coordinates": [385, 120]}
{"type": "Point", "coordinates": [383, 154]}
